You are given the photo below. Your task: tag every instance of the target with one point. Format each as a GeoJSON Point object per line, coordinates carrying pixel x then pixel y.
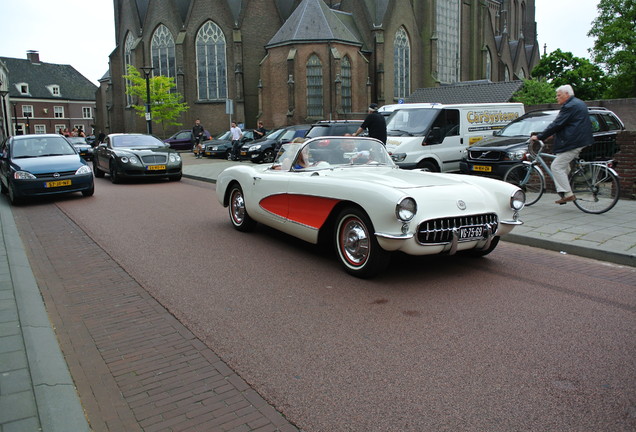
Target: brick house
{"type": "Point", "coordinates": [47, 97]}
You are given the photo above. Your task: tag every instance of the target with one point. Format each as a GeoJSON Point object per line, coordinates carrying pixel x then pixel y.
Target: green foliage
{"type": "Point", "coordinates": [166, 105]}
{"type": "Point", "coordinates": [615, 45]}
{"type": "Point", "coordinates": [559, 68]}
{"type": "Point", "coordinates": [535, 92]}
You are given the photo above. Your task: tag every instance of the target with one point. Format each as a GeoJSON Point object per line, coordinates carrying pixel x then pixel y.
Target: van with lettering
{"type": "Point", "coordinates": [434, 137]}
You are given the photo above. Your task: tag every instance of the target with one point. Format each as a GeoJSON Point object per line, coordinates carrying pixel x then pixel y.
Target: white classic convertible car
{"type": "Point", "coordinates": [348, 191]}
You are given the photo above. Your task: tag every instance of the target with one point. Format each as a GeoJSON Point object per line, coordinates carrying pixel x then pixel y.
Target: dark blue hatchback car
{"type": "Point", "coordinates": [42, 164]}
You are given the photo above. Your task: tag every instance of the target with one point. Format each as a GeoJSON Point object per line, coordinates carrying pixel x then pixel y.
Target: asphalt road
{"type": "Point", "coordinates": [524, 339]}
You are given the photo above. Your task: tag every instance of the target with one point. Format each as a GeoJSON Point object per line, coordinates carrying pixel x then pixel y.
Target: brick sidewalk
{"type": "Point", "coordinates": [135, 366]}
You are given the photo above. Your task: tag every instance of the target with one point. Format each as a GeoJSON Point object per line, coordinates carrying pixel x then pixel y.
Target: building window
{"type": "Point", "coordinates": [87, 112]}
{"type": "Point", "coordinates": [401, 65]}
{"type": "Point", "coordinates": [39, 128]}
{"type": "Point", "coordinates": [128, 48]}
{"type": "Point", "coordinates": [59, 128]}
{"type": "Point", "coordinates": [314, 87]}
{"type": "Point", "coordinates": [448, 37]}
{"type": "Point", "coordinates": [58, 112]}
{"type": "Point", "coordinates": [211, 62]}
{"type": "Point", "coordinates": [345, 76]}
{"type": "Point", "coordinates": [488, 65]}
{"type": "Point", "coordinates": [23, 88]}
{"type": "Point", "coordinates": [54, 89]}
{"type": "Point", "coordinates": [163, 58]}
{"type": "Point", "coordinates": [27, 111]}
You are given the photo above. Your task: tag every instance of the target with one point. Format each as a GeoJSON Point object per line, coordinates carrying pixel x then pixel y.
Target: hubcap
{"type": "Point", "coordinates": [355, 242]}
{"type": "Point", "coordinates": [238, 207]}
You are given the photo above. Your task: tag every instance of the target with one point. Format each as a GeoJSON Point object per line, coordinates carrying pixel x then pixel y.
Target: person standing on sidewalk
{"type": "Point", "coordinates": [572, 130]}
{"type": "Point", "coordinates": [374, 123]}
{"type": "Point", "coordinates": [197, 134]}
{"type": "Point", "coordinates": [237, 134]}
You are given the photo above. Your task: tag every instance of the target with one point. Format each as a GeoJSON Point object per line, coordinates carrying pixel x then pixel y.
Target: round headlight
{"type": "Point", "coordinates": [518, 200]}
{"type": "Point", "coordinates": [405, 210]}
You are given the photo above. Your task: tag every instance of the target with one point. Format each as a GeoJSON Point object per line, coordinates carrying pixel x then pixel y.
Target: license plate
{"type": "Point", "coordinates": [471, 232]}
{"type": "Point", "coordinates": [243, 153]}
{"type": "Point", "coordinates": [207, 153]}
{"type": "Point", "coordinates": [483, 168]}
{"type": "Point", "coordinates": [156, 167]}
{"type": "Point", "coordinates": [57, 183]}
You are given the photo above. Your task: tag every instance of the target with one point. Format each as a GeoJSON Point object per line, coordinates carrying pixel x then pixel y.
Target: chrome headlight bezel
{"type": "Point", "coordinates": [406, 209]}
{"type": "Point", "coordinates": [516, 155]}
{"type": "Point", "coordinates": [518, 200]}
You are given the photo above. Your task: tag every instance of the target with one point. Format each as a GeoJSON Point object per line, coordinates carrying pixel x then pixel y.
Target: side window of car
{"type": "Point", "coordinates": [184, 135]}
{"type": "Point", "coordinates": [612, 122]}
{"type": "Point", "coordinates": [596, 125]}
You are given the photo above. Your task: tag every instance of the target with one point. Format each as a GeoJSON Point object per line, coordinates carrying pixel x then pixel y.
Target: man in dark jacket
{"type": "Point", "coordinates": [573, 131]}
{"type": "Point", "coordinates": [374, 123]}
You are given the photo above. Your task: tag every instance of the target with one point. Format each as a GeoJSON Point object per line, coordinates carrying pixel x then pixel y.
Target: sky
{"type": "Point", "coordinates": [82, 32]}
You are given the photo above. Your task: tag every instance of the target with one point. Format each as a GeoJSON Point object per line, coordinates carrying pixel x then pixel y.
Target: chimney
{"type": "Point", "coordinates": [33, 56]}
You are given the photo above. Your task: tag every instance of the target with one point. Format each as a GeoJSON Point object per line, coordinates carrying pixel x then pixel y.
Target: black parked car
{"type": "Point", "coordinates": [127, 156]}
{"type": "Point", "coordinates": [333, 128]}
{"type": "Point", "coordinates": [183, 140]}
{"type": "Point", "coordinates": [494, 156]}
{"type": "Point", "coordinates": [264, 150]}
{"type": "Point", "coordinates": [221, 146]}
{"type": "Point", "coordinates": [82, 146]}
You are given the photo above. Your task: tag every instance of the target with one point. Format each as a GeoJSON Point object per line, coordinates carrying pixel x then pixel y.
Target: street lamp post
{"type": "Point", "coordinates": [147, 70]}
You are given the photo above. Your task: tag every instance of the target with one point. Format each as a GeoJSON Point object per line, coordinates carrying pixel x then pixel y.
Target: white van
{"type": "Point", "coordinates": [434, 137]}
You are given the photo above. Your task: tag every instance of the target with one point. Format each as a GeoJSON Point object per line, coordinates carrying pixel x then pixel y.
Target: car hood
{"type": "Point", "coordinates": [218, 142]}
{"type": "Point", "coordinates": [501, 143]}
{"type": "Point", "coordinates": [48, 164]}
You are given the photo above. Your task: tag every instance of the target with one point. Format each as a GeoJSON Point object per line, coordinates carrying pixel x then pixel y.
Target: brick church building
{"type": "Point", "coordinates": [297, 61]}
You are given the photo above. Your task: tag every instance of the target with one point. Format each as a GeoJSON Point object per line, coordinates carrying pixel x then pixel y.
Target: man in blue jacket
{"type": "Point", "coordinates": [573, 131]}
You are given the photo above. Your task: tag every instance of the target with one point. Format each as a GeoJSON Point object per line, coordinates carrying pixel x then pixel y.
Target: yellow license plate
{"type": "Point", "coordinates": [243, 153]}
{"type": "Point", "coordinates": [483, 168]}
{"type": "Point", "coordinates": [57, 183]}
{"type": "Point", "coordinates": [156, 168]}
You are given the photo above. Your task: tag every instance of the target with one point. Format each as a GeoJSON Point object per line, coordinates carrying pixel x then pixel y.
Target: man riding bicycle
{"type": "Point", "coordinates": [573, 131]}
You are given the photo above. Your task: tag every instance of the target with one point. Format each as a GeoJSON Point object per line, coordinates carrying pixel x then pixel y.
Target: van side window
{"type": "Point", "coordinates": [446, 124]}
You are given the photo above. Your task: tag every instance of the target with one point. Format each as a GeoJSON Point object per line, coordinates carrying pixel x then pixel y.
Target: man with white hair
{"type": "Point", "coordinates": [572, 129]}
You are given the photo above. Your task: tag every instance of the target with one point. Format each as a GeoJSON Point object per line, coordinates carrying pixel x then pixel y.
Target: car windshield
{"type": "Point", "coordinates": [414, 121]}
{"type": "Point", "coordinates": [527, 125]}
{"type": "Point", "coordinates": [275, 133]}
{"type": "Point", "coordinates": [130, 141]}
{"type": "Point", "coordinates": [39, 147]}
{"type": "Point", "coordinates": [331, 152]}
{"type": "Point", "coordinates": [223, 136]}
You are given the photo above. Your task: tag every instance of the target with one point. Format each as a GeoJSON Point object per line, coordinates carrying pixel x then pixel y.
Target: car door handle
{"type": "Point", "coordinates": [256, 179]}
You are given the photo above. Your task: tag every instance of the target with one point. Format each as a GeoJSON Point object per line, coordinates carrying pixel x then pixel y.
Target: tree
{"type": "Point", "coordinates": [166, 104]}
{"type": "Point", "coordinates": [587, 79]}
{"type": "Point", "coordinates": [535, 92]}
{"type": "Point", "coordinates": [615, 44]}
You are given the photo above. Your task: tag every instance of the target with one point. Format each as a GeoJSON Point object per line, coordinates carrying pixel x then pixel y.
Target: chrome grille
{"type": "Point", "coordinates": [51, 176]}
{"type": "Point", "coordinates": [440, 231]}
{"type": "Point", "coordinates": [155, 159]}
{"type": "Point", "coordinates": [486, 155]}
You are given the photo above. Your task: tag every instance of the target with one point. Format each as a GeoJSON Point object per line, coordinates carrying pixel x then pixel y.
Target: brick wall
{"type": "Point", "coordinates": [626, 167]}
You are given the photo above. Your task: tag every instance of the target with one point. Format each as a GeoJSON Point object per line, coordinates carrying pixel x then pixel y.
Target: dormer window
{"type": "Point", "coordinates": [23, 88]}
{"type": "Point", "coordinates": [54, 89]}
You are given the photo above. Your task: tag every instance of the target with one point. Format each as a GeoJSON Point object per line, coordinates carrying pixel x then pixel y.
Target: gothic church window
{"type": "Point", "coordinates": [401, 64]}
{"type": "Point", "coordinates": [163, 57]}
{"type": "Point", "coordinates": [448, 36]}
{"type": "Point", "coordinates": [211, 62]}
{"type": "Point", "coordinates": [128, 47]}
{"type": "Point", "coordinates": [314, 87]}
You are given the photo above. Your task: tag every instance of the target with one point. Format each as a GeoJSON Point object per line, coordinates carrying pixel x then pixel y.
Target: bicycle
{"type": "Point", "coordinates": [595, 184]}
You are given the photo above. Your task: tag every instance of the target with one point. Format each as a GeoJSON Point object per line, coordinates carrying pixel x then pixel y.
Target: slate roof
{"type": "Point", "coordinates": [468, 92]}
{"type": "Point", "coordinates": [73, 85]}
{"type": "Point", "coordinates": [313, 21]}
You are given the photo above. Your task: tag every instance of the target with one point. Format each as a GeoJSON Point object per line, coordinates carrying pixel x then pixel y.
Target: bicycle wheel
{"type": "Point", "coordinates": [529, 179]}
{"type": "Point", "coordinates": [596, 188]}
